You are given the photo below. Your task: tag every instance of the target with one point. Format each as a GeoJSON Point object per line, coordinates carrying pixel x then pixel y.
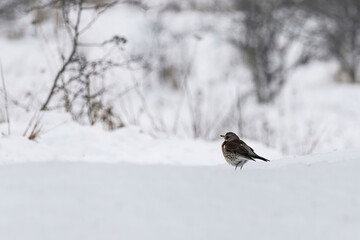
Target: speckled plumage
{"type": "Point", "coordinates": [236, 152]}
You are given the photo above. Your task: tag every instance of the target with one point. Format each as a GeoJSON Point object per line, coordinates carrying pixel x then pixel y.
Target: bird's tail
{"type": "Point", "coordinates": [261, 158]}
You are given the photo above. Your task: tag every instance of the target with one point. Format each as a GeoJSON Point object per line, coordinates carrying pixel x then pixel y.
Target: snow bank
{"type": "Point", "coordinates": [73, 142]}
{"type": "Point", "coordinates": [126, 201]}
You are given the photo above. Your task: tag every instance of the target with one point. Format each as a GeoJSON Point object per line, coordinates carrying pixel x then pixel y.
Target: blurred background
{"type": "Point", "coordinates": [280, 72]}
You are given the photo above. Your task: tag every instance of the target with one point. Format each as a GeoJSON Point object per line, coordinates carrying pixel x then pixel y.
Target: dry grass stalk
{"type": "Point", "coordinates": [35, 127]}
{"type": "Point", "coordinates": [5, 98]}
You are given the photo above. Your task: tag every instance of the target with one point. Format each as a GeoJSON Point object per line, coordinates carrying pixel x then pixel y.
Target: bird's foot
{"type": "Point", "coordinates": [237, 165]}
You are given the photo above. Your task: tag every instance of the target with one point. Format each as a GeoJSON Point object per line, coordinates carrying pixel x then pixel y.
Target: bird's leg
{"type": "Point", "coordinates": [242, 164]}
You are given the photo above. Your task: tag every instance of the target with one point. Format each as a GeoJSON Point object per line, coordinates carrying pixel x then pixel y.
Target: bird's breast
{"type": "Point", "coordinates": [223, 147]}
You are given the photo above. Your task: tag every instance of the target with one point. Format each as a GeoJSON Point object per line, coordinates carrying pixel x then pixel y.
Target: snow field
{"type": "Point", "coordinates": [130, 201]}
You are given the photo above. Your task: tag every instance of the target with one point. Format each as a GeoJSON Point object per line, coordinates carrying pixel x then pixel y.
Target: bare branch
{"type": "Point", "coordinates": [69, 59]}
{"type": "Point", "coordinates": [102, 8]}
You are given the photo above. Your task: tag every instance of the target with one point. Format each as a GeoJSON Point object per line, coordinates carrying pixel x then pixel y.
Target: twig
{"type": "Point", "coordinates": [142, 97]}
{"type": "Point", "coordinates": [56, 126]}
{"type": "Point", "coordinates": [186, 91]}
{"type": "Point", "coordinates": [5, 98]}
{"type": "Point", "coordinates": [103, 7]}
{"type": "Point", "coordinates": [30, 124]}
{"type": "Point", "coordinates": [69, 59]}
{"type": "Point", "coordinates": [51, 3]}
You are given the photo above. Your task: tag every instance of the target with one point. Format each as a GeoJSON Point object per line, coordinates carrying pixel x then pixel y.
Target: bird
{"type": "Point", "coordinates": [236, 152]}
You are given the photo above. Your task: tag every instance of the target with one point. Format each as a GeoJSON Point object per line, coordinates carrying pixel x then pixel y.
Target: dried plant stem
{"type": "Point", "coordinates": [5, 98]}
{"type": "Point", "coordinates": [35, 126]}
{"type": "Point", "coordinates": [187, 94]}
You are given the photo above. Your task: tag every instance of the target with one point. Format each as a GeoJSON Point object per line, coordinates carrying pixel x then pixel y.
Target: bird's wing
{"type": "Point", "coordinates": [248, 148]}
{"type": "Point", "coordinates": [239, 147]}
{"type": "Point", "coordinates": [252, 152]}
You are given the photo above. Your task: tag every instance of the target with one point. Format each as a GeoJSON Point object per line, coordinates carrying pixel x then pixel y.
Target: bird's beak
{"type": "Point", "coordinates": [222, 136]}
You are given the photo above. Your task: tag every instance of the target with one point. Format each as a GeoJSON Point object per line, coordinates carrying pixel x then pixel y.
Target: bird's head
{"type": "Point", "coordinates": [230, 136]}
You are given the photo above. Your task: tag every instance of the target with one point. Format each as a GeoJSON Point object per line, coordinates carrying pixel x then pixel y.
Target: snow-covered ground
{"type": "Point", "coordinates": [81, 182]}
{"type": "Point", "coordinates": [313, 197]}
{"type": "Point", "coordinates": [73, 142]}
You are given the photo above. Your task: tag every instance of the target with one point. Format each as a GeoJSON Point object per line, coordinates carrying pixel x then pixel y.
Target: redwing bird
{"type": "Point", "coordinates": [237, 152]}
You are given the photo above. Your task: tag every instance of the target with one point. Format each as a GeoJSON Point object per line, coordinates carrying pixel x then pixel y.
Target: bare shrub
{"type": "Point", "coordinates": [169, 73]}
{"type": "Point", "coordinates": [80, 80]}
{"type": "Point", "coordinates": [40, 16]}
{"type": "Point", "coordinates": [9, 9]}
{"type": "Point", "coordinates": [266, 37]}
{"type": "Point", "coordinates": [74, 32]}
{"type": "Point", "coordinates": [234, 117]}
{"type": "Point", "coordinates": [339, 28]}
{"type": "Point", "coordinates": [169, 69]}
{"type": "Point", "coordinates": [172, 7]}
{"type": "Point", "coordinates": [15, 34]}
{"type": "Point", "coordinates": [110, 119]}
{"type": "Point", "coordinates": [84, 89]}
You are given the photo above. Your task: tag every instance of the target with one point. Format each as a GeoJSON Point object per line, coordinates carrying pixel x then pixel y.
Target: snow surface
{"type": "Point", "coordinates": [73, 142]}
{"type": "Point", "coordinates": [79, 182]}
{"type": "Point", "coordinates": [315, 198]}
